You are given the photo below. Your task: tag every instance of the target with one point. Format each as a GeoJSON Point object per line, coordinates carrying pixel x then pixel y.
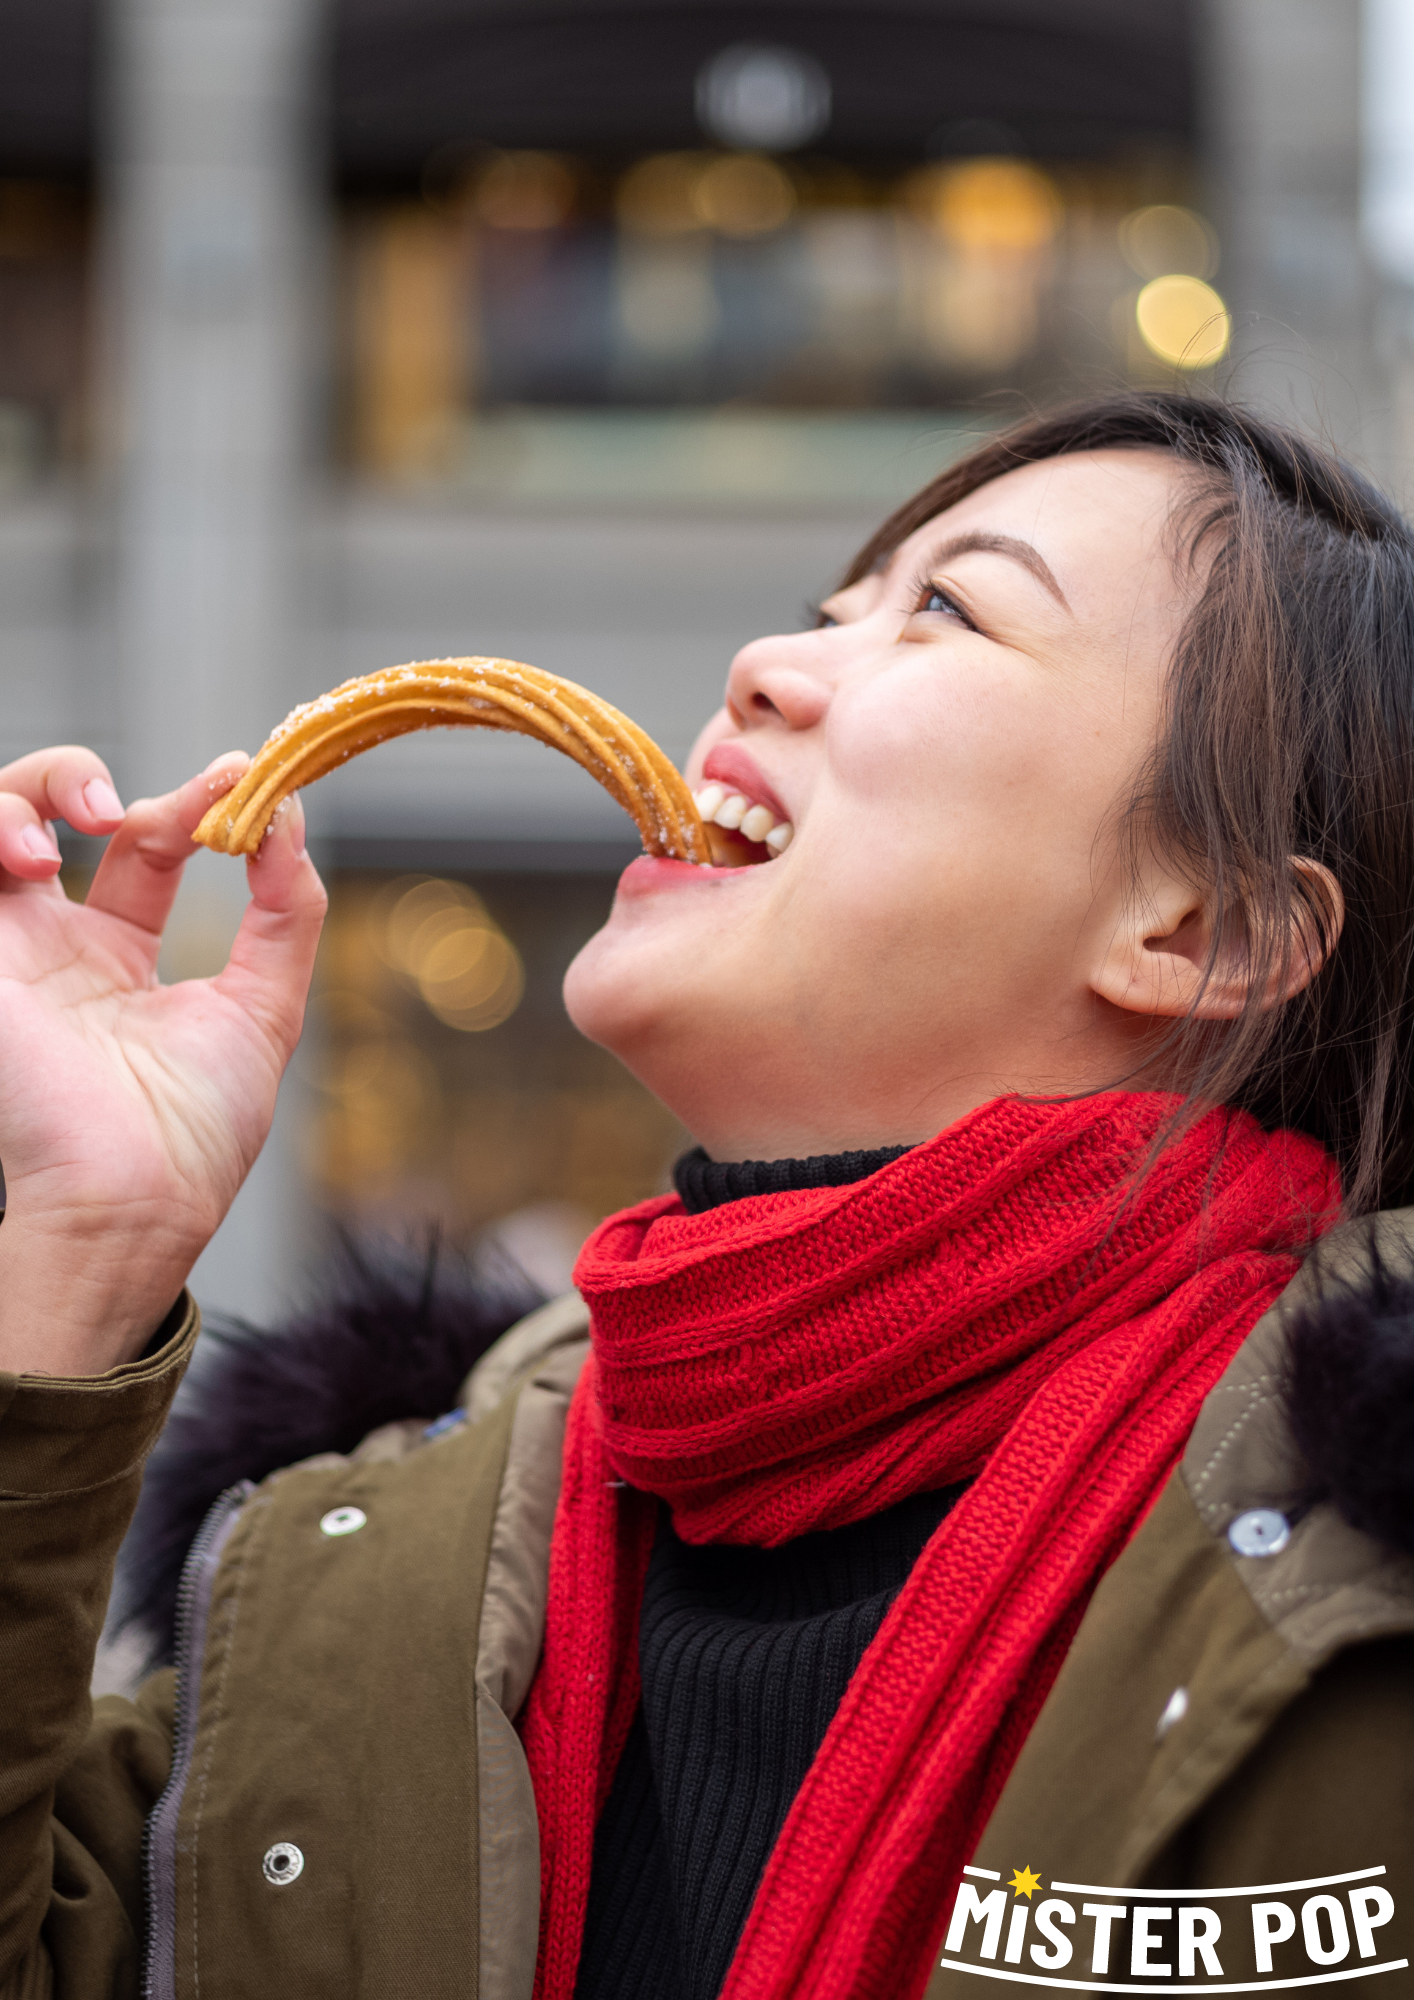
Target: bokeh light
{"type": "Point", "coordinates": [440, 937]}
{"type": "Point", "coordinates": [743, 194]}
{"type": "Point", "coordinates": [758, 95]}
{"type": "Point", "coordinates": [987, 204]}
{"type": "Point", "coordinates": [525, 191]}
{"type": "Point", "coordinates": [416, 1114]}
{"type": "Point", "coordinates": [1183, 321]}
{"type": "Point", "coordinates": [674, 194]}
{"type": "Point", "coordinates": [1163, 240]}
{"type": "Point", "coordinates": [473, 979]}
{"type": "Point", "coordinates": [658, 196]}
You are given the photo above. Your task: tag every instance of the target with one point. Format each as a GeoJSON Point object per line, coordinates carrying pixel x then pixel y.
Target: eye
{"type": "Point", "coordinates": [932, 597]}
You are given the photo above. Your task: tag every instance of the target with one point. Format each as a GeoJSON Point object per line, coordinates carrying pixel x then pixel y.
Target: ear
{"type": "Point", "coordinates": [1159, 949]}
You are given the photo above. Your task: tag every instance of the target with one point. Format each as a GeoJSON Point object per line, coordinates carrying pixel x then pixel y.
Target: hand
{"type": "Point", "coordinates": [130, 1112]}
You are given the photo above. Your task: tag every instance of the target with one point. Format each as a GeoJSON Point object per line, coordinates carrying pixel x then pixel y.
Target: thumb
{"type": "Point", "coordinates": [272, 958]}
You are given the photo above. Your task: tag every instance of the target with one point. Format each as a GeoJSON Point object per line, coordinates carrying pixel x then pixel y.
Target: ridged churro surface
{"type": "Point", "coordinates": [473, 693]}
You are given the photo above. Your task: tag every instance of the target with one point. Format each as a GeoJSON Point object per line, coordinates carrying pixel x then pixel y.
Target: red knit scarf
{"type": "Point", "coordinates": [1001, 1302]}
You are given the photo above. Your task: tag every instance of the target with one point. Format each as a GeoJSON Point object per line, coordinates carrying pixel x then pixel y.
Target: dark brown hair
{"type": "Point", "coordinates": [1288, 731]}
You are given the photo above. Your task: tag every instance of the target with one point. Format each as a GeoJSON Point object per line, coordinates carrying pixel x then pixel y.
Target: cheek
{"type": "Point", "coordinates": [965, 800]}
{"type": "Point", "coordinates": [922, 743]}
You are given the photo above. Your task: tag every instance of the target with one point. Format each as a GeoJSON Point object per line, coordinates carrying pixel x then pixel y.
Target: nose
{"type": "Point", "coordinates": [786, 678]}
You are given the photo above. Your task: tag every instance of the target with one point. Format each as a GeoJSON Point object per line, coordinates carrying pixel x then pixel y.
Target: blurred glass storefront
{"type": "Point", "coordinates": [544, 327]}
{"type": "Point", "coordinates": [849, 210]}
{"type": "Point", "coordinates": [45, 308]}
{"type": "Point", "coordinates": [448, 1085]}
{"type": "Point", "coordinates": [592, 334]}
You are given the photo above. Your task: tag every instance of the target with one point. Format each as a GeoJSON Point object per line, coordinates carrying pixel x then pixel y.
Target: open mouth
{"type": "Point", "coordinates": [739, 833]}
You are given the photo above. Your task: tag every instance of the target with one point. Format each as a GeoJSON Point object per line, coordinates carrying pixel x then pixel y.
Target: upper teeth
{"type": "Point", "coordinates": [737, 814]}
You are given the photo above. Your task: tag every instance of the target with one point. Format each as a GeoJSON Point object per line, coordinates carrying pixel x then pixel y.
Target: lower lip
{"type": "Point", "coordinates": [651, 873]}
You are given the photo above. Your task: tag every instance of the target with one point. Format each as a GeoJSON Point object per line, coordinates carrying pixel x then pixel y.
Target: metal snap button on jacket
{"type": "Point", "coordinates": [343, 1521]}
{"type": "Point", "coordinates": [1174, 1711]}
{"type": "Point", "coordinates": [1261, 1531]}
{"type": "Point", "coordinates": [282, 1863]}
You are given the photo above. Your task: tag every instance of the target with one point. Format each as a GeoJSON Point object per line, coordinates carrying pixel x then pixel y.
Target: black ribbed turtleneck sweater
{"type": "Point", "coordinates": [745, 1655]}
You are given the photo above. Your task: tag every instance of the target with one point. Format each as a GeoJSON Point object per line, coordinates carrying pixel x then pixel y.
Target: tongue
{"type": "Point", "coordinates": [734, 850]}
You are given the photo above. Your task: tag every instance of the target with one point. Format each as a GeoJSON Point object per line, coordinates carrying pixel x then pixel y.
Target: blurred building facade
{"type": "Point", "coordinates": [596, 335]}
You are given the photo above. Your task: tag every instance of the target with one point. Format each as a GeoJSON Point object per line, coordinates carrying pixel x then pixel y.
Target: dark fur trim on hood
{"type": "Point", "coordinates": [1350, 1399]}
{"type": "Point", "coordinates": [392, 1334]}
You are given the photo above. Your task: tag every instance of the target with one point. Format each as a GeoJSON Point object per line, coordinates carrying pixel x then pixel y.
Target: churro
{"type": "Point", "coordinates": [473, 693]}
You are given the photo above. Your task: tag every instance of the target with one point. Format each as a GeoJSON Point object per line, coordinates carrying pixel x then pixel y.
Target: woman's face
{"type": "Point", "coordinates": [948, 749]}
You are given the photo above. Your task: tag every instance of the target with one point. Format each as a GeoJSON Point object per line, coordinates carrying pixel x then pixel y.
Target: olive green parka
{"type": "Point", "coordinates": [327, 1799]}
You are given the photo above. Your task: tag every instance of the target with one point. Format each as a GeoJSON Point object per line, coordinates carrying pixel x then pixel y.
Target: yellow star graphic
{"type": "Point", "coordinates": [1024, 1882]}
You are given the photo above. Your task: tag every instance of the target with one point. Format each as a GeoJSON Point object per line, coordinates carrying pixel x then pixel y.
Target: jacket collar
{"type": "Point", "coordinates": [1324, 1582]}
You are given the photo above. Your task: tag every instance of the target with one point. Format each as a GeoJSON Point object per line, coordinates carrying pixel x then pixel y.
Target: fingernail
{"type": "Point", "coordinates": [102, 801]}
{"type": "Point", "coordinates": [39, 844]}
{"type": "Point", "coordinates": [216, 762]}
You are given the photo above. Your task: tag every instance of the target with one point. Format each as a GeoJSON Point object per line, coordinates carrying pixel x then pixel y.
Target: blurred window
{"type": "Point", "coordinates": [447, 1082]}
{"type": "Point", "coordinates": [44, 313]}
{"type": "Point", "coordinates": [523, 292]}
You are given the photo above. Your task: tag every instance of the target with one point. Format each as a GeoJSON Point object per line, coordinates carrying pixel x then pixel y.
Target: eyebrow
{"type": "Point", "coordinates": [979, 542]}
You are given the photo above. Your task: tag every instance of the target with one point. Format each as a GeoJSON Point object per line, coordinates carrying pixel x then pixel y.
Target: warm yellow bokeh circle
{"type": "Point", "coordinates": [439, 937]}
{"type": "Point", "coordinates": [1183, 321]}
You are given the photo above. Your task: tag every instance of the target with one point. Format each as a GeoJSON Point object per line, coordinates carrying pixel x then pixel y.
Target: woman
{"type": "Point", "coordinates": [947, 1560]}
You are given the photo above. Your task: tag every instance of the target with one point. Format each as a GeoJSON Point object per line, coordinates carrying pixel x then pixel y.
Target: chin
{"type": "Point", "coordinates": [620, 993]}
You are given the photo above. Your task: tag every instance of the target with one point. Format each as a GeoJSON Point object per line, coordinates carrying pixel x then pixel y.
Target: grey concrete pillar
{"type": "Point", "coordinates": [1280, 86]}
{"type": "Point", "coordinates": [214, 267]}
{"type": "Point", "coordinates": [1388, 207]}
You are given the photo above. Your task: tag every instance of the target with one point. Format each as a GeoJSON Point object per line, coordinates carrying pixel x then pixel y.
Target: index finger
{"type": "Point", "coordinates": [67, 782]}
{"type": "Point", "coordinates": [138, 877]}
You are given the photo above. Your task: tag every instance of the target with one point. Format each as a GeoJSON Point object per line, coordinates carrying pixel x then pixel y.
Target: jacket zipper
{"type": "Point", "coordinates": [159, 1844]}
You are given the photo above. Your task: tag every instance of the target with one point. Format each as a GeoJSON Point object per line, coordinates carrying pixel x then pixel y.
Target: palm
{"type": "Point", "coordinates": [152, 1099]}
{"type": "Point", "coordinates": [130, 1111]}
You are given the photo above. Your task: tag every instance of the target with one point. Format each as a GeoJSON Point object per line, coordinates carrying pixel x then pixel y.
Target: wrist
{"type": "Point", "coordinates": [80, 1307]}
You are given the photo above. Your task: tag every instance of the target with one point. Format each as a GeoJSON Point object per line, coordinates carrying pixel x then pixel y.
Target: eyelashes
{"type": "Point", "coordinates": [923, 587]}
{"type": "Point", "coordinates": [815, 618]}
